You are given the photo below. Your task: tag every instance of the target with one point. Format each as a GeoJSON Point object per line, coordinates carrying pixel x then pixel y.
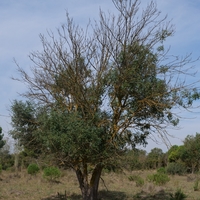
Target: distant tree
{"type": "Point", "coordinates": [24, 121]}
{"type": "Point", "coordinates": [6, 158]}
{"type": "Point", "coordinates": [190, 153]}
{"type": "Point", "coordinates": [2, 142]}
{"type": "Point", "coordinates": [134, 159]}
{"type": "Point", "coordinates": [105, 90]}
{"type": "Point", "coordinates": [155, 158]}
{"type": "Point", "coordinates": [173, 154]}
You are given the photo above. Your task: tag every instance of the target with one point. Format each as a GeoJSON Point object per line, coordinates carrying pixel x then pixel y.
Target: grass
{"type": "Point", "coordinates": [113, 186]}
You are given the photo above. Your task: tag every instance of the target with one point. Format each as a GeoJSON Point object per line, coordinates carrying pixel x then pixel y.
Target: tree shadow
{"type": "Point", "coordinates": [103, 195]}
{"type": "Point", "coordinates": [116, 195]}
{"type": "Point", "coordinates": [111, 195]}
{"type": "Point", "coordinates": [160, 195]}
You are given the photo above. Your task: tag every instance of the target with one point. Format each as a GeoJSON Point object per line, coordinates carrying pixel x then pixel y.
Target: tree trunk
{"type": "Point", "coordinates": [89, 190]}
{"type": "Point", "coordinates": [16, 164]}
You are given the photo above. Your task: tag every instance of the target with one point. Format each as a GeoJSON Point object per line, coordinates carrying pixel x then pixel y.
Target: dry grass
{"type": "Point", "coordinates": [21, 186]}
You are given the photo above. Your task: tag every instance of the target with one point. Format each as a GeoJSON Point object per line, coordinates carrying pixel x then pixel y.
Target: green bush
{"type": "Point", "coordinates": [33, 169]}
{"type": "Point", "coordinates": [0, 168]}
{"type": "Point", "coordinates": [196, 185]}
{"type": "Point", "coordinates": [176, 168]}
{"type": "Point", "coordinates": [51, 173]}
{"type": "Point", "coordinates": [161, 170]}
{"type": "Point", "coordinates": [178, 195]}
{"type": "Point", "coordinates": [158, 178]}
{"type": "Point", "coordinates": [138, 180]}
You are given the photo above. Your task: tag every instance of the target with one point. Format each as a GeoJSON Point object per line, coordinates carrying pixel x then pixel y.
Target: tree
{"type": "Point", "coordinates": [106, 89]}
{"type": "Point", "coordinates": [2, 142]}
{"type": "Point", "coordinates": [155, 158]}
{"type": "Point", "coordinates": [190, 154]}
{"type": "Point", "coordinates": [173, 153]}
{"type": "Point", "coordinates": [24, 122]}
{"type": "Point", "coordinates": [134, 159]}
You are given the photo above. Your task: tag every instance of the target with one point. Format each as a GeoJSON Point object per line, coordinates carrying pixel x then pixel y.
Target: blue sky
{"type": "Point", "coordinates": [22, 21]}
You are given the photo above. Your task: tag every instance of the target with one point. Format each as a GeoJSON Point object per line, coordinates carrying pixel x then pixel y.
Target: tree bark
{"type": "Point", "coordinates": [89, 190]}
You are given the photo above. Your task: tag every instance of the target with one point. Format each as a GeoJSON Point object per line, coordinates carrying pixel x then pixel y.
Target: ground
{"type": "Point", "coordinates": [113, 186]}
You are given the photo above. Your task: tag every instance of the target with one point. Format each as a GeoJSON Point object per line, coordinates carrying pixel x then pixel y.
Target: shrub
{"type": "Point", "coordinates": [33, 169]}
{"type": "Point", "coordinates": [196, 185]}
{"type": "Point", "coordinates": [138, 180]}
{"type": "Point", "coordinates": [178, 195]}
{"type": "Point", "coordinates": [161, 170]}
{"type": "Point", "coordinates": [51, 173]}
{"type": "Point", "coordinates": [176, 168]}
{"type": "Point", "coordinates": [158, 178]}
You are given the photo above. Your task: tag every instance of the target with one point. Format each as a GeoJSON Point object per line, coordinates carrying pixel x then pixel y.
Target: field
{"type": "Point", "coordinates": [113, 186]}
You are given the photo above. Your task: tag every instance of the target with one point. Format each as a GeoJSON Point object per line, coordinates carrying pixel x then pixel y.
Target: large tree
{"type": "Point", "coordinates": [105, 89]}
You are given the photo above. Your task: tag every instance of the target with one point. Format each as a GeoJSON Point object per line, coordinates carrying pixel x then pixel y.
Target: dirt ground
{"type": "Point", "coordinates": [113, 186]}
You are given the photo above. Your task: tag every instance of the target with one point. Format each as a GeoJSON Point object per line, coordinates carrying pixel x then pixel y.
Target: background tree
{"type": "Point", "coordinates": [2, 142]}
{"type": "Point", "coordinates": [24, 123]}
{"type": "Point", "coordinates": [173, 154]}
{"type": "Point", "coordinates": [155, 158]}
{"type": "Point", "coordinates": [105, 89]}
{"type": "Point", "coordinates": [190, 154]}
{"type": "Point", "coordinates": [134, 159]}
{"type": "Point", "coordinates": [6, 158]}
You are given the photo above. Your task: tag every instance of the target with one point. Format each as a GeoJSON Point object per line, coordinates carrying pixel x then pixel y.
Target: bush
{"type": "Point", "coordinates": [138, 180]}
{"type": "Point", "coordinates": [52, 173]}
{"type": "Point", "coordinates": [0, 168]}
{"type": "Point", "coordinates": [33, 169]}
{"type": "Point", "coordinates": [178, 195]}
{"type": "Point", "coordinates": [196, 185]}
{"type": "Point", "coordinates": [161, 170]}
{"type": "Point", "coordinates": [158, 178]}
{"type": "Point", "coordinates": [176, 168]}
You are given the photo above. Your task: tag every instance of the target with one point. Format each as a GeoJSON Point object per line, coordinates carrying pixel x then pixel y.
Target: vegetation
{"type": "Point", "coordinates": [51, 173]}
{"type": "Point", "coordinates": [92, 97]}
{"type": "Point", "coordinates": [2, 142]}
{"type": "Point", "coordinates": [158, 178]}
{"type": "Point", "coordinates": [33, 169]}
{"type": "Point", "coordinates": [112, 186]}
{"type": "Point", "coordinates": [176, 168]}
{"type": "Point", "coordinates": [178, 195]}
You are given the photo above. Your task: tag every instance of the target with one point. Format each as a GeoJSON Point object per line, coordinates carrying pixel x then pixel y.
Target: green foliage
{"type": "Point", "coordinates": [158, 178]}
{"type": "Point", "coordinates": [173, 154]}
{"type": "Point", "coordinates": [155, 158]}
{"type": "Point", "coordinates": [176, 168]}
{"type": "Point", "coordinates": [133, 160]}
{"type": "Point", "coordinates": [51, 173]}
{"type": "Point", "coordinates": [178, 195]}
{"type": "Point", "coordinates": [137, 179]}
{"type": "Point", "coordinates": [6, 159]}
{"type": "Point", "coordinates": [2, 142]}
{"type": "Point", "coordinates": [0, 168]}
{"type": "Point", "coordinates": [196, 185]}
{"type": "Point", "coordinates": [24, 116]}
{"type": "Point", "coordinates": [33, 169]}
{"type": "Point", "coordinates": [161, 170]}
{"type": "Point", "coordinates": [191, 152]}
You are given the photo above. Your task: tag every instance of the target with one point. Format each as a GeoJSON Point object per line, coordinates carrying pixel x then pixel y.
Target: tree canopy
{"type": "Point", "coordinates": [102, 90]}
